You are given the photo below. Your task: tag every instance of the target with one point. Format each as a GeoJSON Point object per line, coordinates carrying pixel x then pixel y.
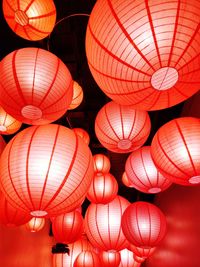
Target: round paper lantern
{"type": "Point", "coordinates": [36, 86]}
{"type": "Point", "coordinates": [125, 180]}
{"type": "Point", "coordinates": [109, 259]}
{"type": "Point", "coordinates": [103, 224]}
{"type": "Point", "coordinates": [143, 53]}
{"type": "Point", "coordinates": [87, 259]}
{"type": "Point", "coordinates": [8, 125]}
{"type": "Point", "coordinates": [127, 259]}
{"type": "Point", "coordinates": [122, 129]}
{"type": "Point", "coordinates": [68, 227]}
{"type": "Point", "coordinates": [77, 97]}
{"type": "Point", "coordinates": [143, 174]}
{"type": "Point", "coordinates": [143, 224]}
{"type": "Point", "coordinates": [101, 164]}
{"type": "Point", "coordinates": [46, 170]}
{"type": "Point", "coordinates": [31, 20]}
{"type": "Point", "coordinates": [83, 134]}
{"type": "Point", "coordinates": [35, 224]}
{"type": "Point", "coordinates": [175, 150]}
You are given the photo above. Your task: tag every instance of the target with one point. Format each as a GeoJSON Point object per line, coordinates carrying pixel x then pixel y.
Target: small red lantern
{"type": "Point", "coordinates": [77, 97]}
{"type": "Point", "coordinates": [31, 20]}
{"type": "Point", "coordinates": [141, 252]}
{"type": "Point", "coordinates": [143, 174]}
{"type": "Point", "coordinates": [87, 259]}
{"type": "Point", "coordinates": [127, 259]}
{"type": "Point", "coordinates": [122, 129]}
{"type": "Point", "coordinates": [35, 224]}
{"type": "Point", "coordinates": [103, 224]}
{"type": "Point", "coordinates": [36, 86]}
{"type": "Point", "coordinates": [101, 164]}
{"type": "Point", "coordinates": [109, 258]}
{"type": "Point", "coordinates": [8, 125]}
{"type": "Point", "coordinates": [68, 227]}
{"type": "Point", "coordinates": [125, 180]}
{"type": "Point", "coordinates": [83, 134]}
{"type": "Point", "coordinates": [143, 224]}
{"type": "Point", "coordinates": [143, 53]}
{"type": "Point", "coordinates": [175, 150]}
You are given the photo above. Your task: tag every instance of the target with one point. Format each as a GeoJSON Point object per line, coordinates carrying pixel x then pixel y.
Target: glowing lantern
{"type": "Point", "coordinates": [36, 86]}
{"type": "Point", "coordinates": [122, 129]}
{"type": "Point", "coordinates": [143, 174]}
{"type": "Point", "coordinates": [77, 97]}
{"type": "Point", "coordinates": [83, 134]}
{"type": "Point", "coordinates": [103, 189]}
{"type": "Point", "coordinates": [125, 180]}
{"type": "Point", "coordinates": [101, 164]}
{"type": "Point", "coordinates": [103, 224]}
{"type": "Point", "coordinates": [46, 170]}
{"type": "Point", "coordinates": [31, 20]}
{"type": "Point", "coordinates": [141, 56]}
{"type": "Point", "coordinates": [127, 259]}
{"type": "Point", "coordinates": [35, 224]}
{"type": "Point", "coordinates": [109, 259]}
{"type": "Point", "coordinates": [143, 224]}
{"type": "Point", "coordinates": [8, 125]}
{"type": "Point", "coordinates": [68, 227]}
{"type": "Point", "coordinates": [175, 150]}
{"type": "Point", "coordinates": [87, 259]}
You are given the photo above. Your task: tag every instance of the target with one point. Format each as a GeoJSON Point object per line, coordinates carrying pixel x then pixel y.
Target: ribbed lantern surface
{"type": "Point", "coordinates": [143, 224]}
{"type": "Point", "coordinates": [109, 259]}
{"type": "Point", "coordinates": [101, 164]}
{"type": "Point", "coordinates": [77, 97]}
{"type": "Point", "coordinates": [122, 129]}
{"type": "Point", "coordinates": [83, 134]}
{"type": "Point", "coordinates": [8, 125]}
{"type": "Point", "coordinates": [141, 252]}
{"type": "Point", "coordinates": [175, 150]}
{"type": "Point", "coordinates": [35, 86]}
{"type": "Point", "coordinates": [143, 53]}
{"type": "Point", "coordinates": [46, 170]}
{"type": "Point", "coordinates": [125, 180]}
{"type": "Point", "coordinates": [127, 259]}
{"type": "Point", "coordinates": [87, 259]}
{"type": "Point", "coordinates": [143, 174]}
{"type": "Point", "coordinates": [30, 19]}
{"type": "Point", "coordinates": [35, 224]}
{"type": "Point", "coordinates": [103, 224]}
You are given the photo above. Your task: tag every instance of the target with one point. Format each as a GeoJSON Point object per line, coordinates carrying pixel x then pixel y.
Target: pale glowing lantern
{"type": "Point", "coordinates": [109, 258]}
{"type": "Point", "coordinates": [127, 259]}
{"type": "Point", "coordinates": [77, 97]}
{"type": "Point", "coordinates": [87, 259]}
{"type": "Point", "coordinates": [35, 224]}
{"type": "Point", "coordinates": [8, 125]}
{"type": "Point", "coordinates": [101, 164]}
{"type": "Point", "coordinates": [83, 134]}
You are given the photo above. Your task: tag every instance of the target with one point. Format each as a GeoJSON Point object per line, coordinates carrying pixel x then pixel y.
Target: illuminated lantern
{"type": "Point", "coordinates": [101, 164]}
{"type": "Point", "coordinates": [175, 150]}
{"type": "Point", "coordinates": [35, 224]}
{"type": "Point", "coordinates": [8, 125]}
{"type": "Point", "coordinates": [103, 224]}
{"type": "Point", "coordinates": [87, 259]}
{"type": "Point", "coordinates": [127, 259]}
{"type": "Point", "coordinates": [46, 170]}
{"type": "Point", "coordinates": [141, 56]}
{"type": "Point", "coordinates": [143, 174]}
{"type": "Point", "coordinates": [125, 180]}
{"type": "Point", "coordinates": [122, 129]}
{"type": "Point", "coordinates": [103, 189]}
{"type": "Point", "coordinates": [141, 252]}
{"type": "Point", "coordinates": [109, 259]}
{"type": "Point", "coordinates": [83, 134]}
{"type": "Point", "coordinates": [31, 20]}
{"type": "Point", "coordinates": [77, 97]}
{"type": "Point", "coordinates": [143, 224]}
{"type": "Point", "coordinates": [36, 86]}
{"type": "Point", "coordinates": [68, 227]}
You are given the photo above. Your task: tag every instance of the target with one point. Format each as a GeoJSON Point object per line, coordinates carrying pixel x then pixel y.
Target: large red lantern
{"type": "Point", "coordinates": [35, 224]}
{"type": "Point", "coordinates": [77, 97]}
{"type": "Point", "coordinates": [143, 174]}
{"type": "Point", "coordinates": [143, 224]}
{"type": "Point", "coordinates": [83, 134]}
{"type": "Point", "coordinates": [87, 259]}
{"type": "Point", "coordinates": [143, 53]}
{"type": "Point", "coordinates": [122, 129]}
{"type": "Point", "coordinates": [127, 259]}
{"type": "Point", "coordinates": [68, 227]}
{"type": "Point", "coordinates": [32, 20]}
{"type": "Point", "coordinates": [103, 189]}
{"type": "Point", "coordinates": [175, 150]}
{"type": "Point", "coordinates": [46, 170]}
{"type": "Point", "coordinates": [103, 224]}
{"type": "Point", "coordinates": [36, 86]}
{"type": "Point", "coordinates": [8, 125]}
{"type": "Point", "coordinates": [109, 258]}
{"type": "Point", "coordinates": [101, 164]}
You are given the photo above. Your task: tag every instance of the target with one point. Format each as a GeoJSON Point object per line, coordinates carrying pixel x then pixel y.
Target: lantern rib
{"type": "Point", "coordinates": [121, 119]}
{"type": "Point", "coordinates": [26, 32]}
{"type": "Point", "coordinates": [18, 4]}
{"type": "Point", "coordinates": [16, 26]}
{"type": "Point", "coordinates": [133, 124]}
{"type": "Point", "coordinates": [137, 224]}
{"type": "Point", "coordinates": [186, 64]}
{"type": "Point", "coordinates": [109, 226]}
{"type": "Point", "coordinates": [97, 227]}
{"type": "Point", "coordinates": [142, 128]}
{"type": "Point", "coordinates": [4, 120]}
{"type": "Point", "coordinates": [8, 3]}
{"type": "Point", "coordinates": [28, 6]}
{"type": "Point", "coordinates": [135, 175]}
{"type": "Point", "coordinates": [33, 85]}
{"type": "Point", "coordinates": [143, 165]}
{"type": "Point", "coordinates": [150, 225]}
{"type": "Point", "coordinates": [44, 15]}
{"type": "Point", "coordinates": [111, 127]}
{"type": "Point", "coordinates": [158, 94]}
{"type": "Point", "coordinates": [180, 92]}
{"type": "Point", "coordinates": [120, 230]}
{"type": "Point", "coordinates": [35, 29]}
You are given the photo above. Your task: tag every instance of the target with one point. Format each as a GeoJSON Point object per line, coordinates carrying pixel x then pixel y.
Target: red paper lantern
{"type": "Point", "coordinates": [175, 150]}
{"type": "Point", "coordinates": [143, 174]}
{"type": "Point", "coordinates": [31, 20]}
{"type": "Point", "coordinates": [110, 259]}
{"type": "Point", "coordinates": [103, 224]}
{"type": "Point", "coordinates": [87, 259]}
{"type": "Point", "coordinates": [83, 134]}
{"type": "Point", "coordinates": [143, 53]}
{"type": "Point", "coordinates": [143, 224]}
{"type": "Point", "coordinates": [68, 227]}
{"type": "Point", "coordinates": [8, 125]}
{"type": "Point", "coordinates": [127, 259]}
{"type": "Point", "coordinates": [46, 170]}
{"type": "Point", "coordinates": [122, 129]}
{"type": "Point", "coordinates": [77, 97]}
{"type": "Point", "coordinates": [141, 252]}
{"type": "Point", "coordinates": [125, 180]}
{"type": "Point", "coordinates": [101, 164]}
{"type": "Point", "coordinates": [35, 224]}
{"type": "Point", "coordinates": [35, 87]}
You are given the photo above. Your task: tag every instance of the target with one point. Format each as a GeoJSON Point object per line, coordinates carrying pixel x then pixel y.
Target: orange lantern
{"type": "Point", "coordinates": [77, 97]}
{"type": "Point", "coordinates": [87, 259]}
{"type": "Point", "coordinates": [109, 258]}
{"type": "Point", "coordinates": [140, 55]}
{"type": "Point", "coordinates": [35, 224]}
{"type": "Point", "coordinates": [101, 164]}
{"type": "Point", "coordinates": [36, 86]}
{"type": "Point", "coordinates": [127, 259]}
{"type": "Point", "coordinates": [8, 125]}
{"type": "Point", "coordinates": [46, 170]}
{"type": "Point", "coordinates": [125, 180]}
{"type": "Point", "coordinates": [122, 129]}
{"type": "Point", "coordinates": [175, 150]}
{"type": "Point", "coordinates": [83, 134]}
{"type": "Point", "coordinates": [31, 20]}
